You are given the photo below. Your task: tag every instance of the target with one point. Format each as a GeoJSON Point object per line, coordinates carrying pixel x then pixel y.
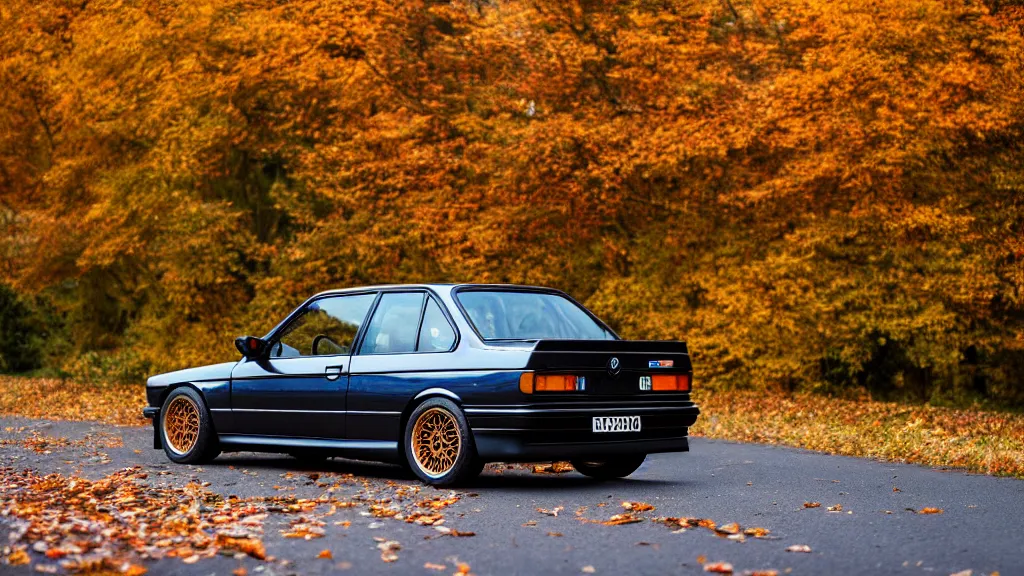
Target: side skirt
{"type": "Point", "coordinates": [380, 450]}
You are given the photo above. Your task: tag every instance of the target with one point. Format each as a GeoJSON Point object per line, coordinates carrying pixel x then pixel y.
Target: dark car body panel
{"type": "Point", "coordinates": [356, 404]}
{"type": "Point", "coordinates": [204, 377]}
{"type": "Point", "coordinates": [289, 396]}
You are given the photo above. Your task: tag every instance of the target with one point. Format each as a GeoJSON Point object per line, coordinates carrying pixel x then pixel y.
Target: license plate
{"type": "Point", "coordinates": [616, 423]}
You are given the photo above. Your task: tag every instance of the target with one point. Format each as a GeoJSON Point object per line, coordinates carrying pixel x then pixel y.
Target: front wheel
{"type": "Point", "coordinates": [612, 468]}
{"type": "Point", "coordinates": [186, 430]}
{"type": "Point", "coordinates": [439, 445]}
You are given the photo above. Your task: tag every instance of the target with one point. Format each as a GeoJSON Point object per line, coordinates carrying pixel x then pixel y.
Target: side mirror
{"type": "Point", "coordinates": [251, 346]}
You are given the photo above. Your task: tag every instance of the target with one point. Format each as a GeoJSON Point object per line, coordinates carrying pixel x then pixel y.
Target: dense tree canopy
{"type": "Point", "coordinates": [815, 194]}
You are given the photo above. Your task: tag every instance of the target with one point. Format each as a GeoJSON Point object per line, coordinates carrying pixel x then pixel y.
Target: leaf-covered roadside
{"type": "Point", "coordinates": [988, 442]}
{"type": "Point", "coordinates": [56, 399]}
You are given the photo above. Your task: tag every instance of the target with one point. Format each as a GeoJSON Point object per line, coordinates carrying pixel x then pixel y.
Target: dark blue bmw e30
{"type": "Point", "coordinates": [440, 378]}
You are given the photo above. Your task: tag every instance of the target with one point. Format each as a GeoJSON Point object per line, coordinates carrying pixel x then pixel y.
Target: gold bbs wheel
{"type": "Point", "coordinates": [436, 442]}
{"type": "Point", "coordinates": [181, 425]}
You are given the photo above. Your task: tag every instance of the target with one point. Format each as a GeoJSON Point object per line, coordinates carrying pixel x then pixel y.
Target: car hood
{"type": "Point", "coordinates": [211, 372]}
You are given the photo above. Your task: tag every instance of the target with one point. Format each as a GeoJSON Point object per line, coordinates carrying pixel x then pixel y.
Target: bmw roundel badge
{"type": "Point", "coordinates": [614, 366]}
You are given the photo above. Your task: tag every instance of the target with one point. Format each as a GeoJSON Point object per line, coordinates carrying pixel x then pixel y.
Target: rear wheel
{"type": "Point", "coordinates": [618, 467]}
{"type": "Point", "coordinates": [186, 429]}
{"type": "Point", "coordinates": [439, 445]}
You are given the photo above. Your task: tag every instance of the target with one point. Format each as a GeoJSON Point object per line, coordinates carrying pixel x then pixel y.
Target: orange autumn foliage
{"type": "Point", "coordinates": [816, 195]}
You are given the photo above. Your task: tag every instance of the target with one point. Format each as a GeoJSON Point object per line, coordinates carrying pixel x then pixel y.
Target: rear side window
{"type": "Point", "coordinates": [402, 325]}
{"type": "Point", "coordinates": [436, 334]}
{"type": "Point", "coordinates": [394, 325]}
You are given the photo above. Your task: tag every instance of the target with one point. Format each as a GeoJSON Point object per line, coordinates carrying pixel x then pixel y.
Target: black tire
{"type": "Point", "coordinates": [465, 464]}
{"type": "Point", "coordinates": [476, 469]}
{"type": "Point", "coordinates": [618, 467]}
{"type": "Point", "coordinates": [204, 447]}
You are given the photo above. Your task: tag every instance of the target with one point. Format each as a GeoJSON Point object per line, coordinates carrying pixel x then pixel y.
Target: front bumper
{"type": "Point", "coordinates": [153, 413]}
{"type": "Point", "coordinates": [526, 433]}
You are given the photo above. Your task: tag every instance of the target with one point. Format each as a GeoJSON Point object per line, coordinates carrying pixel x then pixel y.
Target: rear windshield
{"type": "Point", "coordinates": [514, 315]}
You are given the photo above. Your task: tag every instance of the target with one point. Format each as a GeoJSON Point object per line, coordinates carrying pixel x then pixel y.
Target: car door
{"type": "Point", "coordinates": [299, 389]}
{"type": "Point", "coordinates": [394, 360]}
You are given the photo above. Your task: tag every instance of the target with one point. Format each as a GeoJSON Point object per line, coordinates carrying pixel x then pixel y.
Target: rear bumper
{"type": "Point", "coordinates": [528, 433]}
{"type": "Point", "coordinates": [503, 447]}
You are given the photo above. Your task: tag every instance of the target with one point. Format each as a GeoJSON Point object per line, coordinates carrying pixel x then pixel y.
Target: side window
{"type": "Point", "coordinates": [436, 334]}
{"type": "Point", "coordinates": [392, 329]}
{"type": "Point", "coordinates": [325, 327]}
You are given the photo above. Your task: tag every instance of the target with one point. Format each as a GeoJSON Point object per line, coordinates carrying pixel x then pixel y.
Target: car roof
{"type": "Point", "coordinates": [443, 290]}
{"type": "Point", "coordinates": [432, 286]}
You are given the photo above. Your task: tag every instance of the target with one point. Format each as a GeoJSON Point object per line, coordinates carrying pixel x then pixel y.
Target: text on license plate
{"type": "Point", "coordinates": [616, 423]}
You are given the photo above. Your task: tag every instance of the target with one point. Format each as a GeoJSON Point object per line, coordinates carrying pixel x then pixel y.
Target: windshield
{"type": "Point", "coordinates": [517, 315]}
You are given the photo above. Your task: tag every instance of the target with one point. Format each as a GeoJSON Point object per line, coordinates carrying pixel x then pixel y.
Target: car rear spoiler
{"type": "Point", "coordinates": [611, 346]}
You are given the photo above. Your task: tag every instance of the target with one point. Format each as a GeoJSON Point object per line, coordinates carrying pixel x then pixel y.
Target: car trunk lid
{"type": "Point", "coordinates": [612, 368]}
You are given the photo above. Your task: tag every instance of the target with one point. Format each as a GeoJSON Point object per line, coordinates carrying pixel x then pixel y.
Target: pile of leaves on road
{"type": "Point", "coordinates": [116, 521]}
{"type": "Point", "coordinates": [559, 467]}
{"type": "Point", "coordinates": [120, 521]}
{"type": "Point", "coordinates": [635, 512]}
{"type": "Point", "coordinates": [732, 530]}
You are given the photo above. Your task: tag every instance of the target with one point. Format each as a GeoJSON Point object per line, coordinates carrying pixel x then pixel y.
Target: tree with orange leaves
{"type": "Point", "coordinates": [814, 194]}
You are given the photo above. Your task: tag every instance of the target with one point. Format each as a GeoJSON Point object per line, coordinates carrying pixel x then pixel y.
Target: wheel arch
{"type": "Point", "coordinates": [163, 398]}
{"type": "Point", "coordinates": [208, 443]}
{"type": "Point", "coordinates": [171, 388]}
{"type": "Point", "coordinates": [423, 396]}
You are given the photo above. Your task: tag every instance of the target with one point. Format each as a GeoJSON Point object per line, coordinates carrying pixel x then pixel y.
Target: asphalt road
{"type": "Point", "coordinates": [763, 486]}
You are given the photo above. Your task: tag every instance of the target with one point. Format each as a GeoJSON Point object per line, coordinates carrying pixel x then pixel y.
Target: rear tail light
{"type": "Point", "coordinates": [530, 383]}
{"type": "Point", "coordinates": [670, 382]}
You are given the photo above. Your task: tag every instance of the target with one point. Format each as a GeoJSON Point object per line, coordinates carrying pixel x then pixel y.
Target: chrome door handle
{"type": "Point", "coordinates": [333, 372]}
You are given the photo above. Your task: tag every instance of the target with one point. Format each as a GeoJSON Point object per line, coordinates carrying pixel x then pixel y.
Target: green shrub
{"type": "Point", "coordinates": [21, 333]}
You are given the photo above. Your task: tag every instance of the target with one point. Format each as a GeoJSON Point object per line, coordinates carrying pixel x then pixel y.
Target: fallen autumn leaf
{"type": "Point", "coordinates": [799, 548]}
{"type": "Point", "coordinates": [619, 519]}
{"type": "Point", "coordinates": [637, 506]}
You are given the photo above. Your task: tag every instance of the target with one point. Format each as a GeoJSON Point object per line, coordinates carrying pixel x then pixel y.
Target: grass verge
{"type": "Point", "coordinates": [987, 442]}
